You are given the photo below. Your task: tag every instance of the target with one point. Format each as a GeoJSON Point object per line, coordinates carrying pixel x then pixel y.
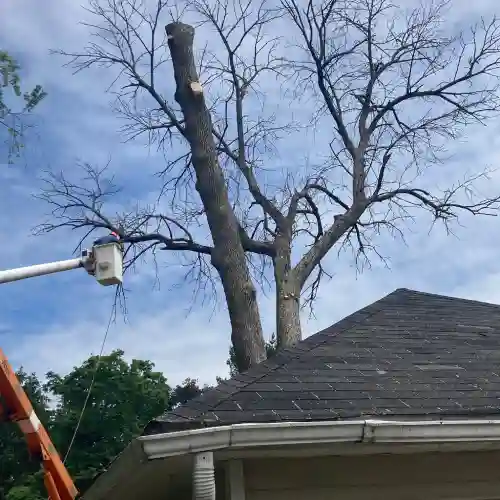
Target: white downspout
{"type": "Point", "coordinates": [204, 476]}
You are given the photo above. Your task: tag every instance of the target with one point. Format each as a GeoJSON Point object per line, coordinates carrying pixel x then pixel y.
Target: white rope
{"type": "Point", "coordinates": [96, 368]}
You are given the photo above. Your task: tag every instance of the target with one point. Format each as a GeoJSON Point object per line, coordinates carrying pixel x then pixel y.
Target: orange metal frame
{"type": "Point", "coordinates": [15, 406]}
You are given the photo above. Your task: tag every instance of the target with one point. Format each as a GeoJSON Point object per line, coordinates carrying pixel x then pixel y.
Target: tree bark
{"type": "Point", "coordinates": [288, 328]}
{"type": "Point", "coordinates": [317, 252]}
{"type": "Point", "coordinates": [228, 256]}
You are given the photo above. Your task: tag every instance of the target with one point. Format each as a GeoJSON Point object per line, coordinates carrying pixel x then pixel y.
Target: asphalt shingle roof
{"type": "Point", "coordinates": [408, 354]}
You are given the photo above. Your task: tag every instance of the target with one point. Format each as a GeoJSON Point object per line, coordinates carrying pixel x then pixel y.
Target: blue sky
{"type": "Point", "coordinates": [54, 322]}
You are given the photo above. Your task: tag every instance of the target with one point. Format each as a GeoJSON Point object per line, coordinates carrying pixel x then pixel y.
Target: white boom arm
{"type": "Point", "coordinates": [105, 262]}
{"type": "Point", "coordinates": [22, 273]}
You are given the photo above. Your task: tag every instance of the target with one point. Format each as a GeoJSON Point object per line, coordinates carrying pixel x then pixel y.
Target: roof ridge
{"type": "Point", "coordinates": [448, 297]}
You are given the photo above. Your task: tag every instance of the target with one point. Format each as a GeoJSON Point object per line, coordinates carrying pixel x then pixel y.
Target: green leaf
{"type": "Point", "coordinates": [12, 119]}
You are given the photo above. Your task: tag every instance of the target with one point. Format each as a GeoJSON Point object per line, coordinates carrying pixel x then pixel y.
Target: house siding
{"type": "Point", "coordinates": [423, 476]}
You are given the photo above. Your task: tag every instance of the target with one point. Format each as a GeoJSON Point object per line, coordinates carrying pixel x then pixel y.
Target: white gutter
{"type": "Point", "coordinates": [249, 436]}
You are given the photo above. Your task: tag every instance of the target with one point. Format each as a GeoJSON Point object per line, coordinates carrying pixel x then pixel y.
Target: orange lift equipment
{"type": "Point", "coordinates": [16, 407]}
{"type": "Point", "coordinates": [105, 263]}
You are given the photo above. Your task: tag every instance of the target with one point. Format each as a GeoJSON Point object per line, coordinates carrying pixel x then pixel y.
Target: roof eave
{"type": "Point", "coordinates": [256, 435]}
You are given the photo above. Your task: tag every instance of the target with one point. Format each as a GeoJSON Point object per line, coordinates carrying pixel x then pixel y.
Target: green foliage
{"type": "Point", "coordinates": [31, 489]}
{"type": "Point", "coordinates": [271, 348]}
{"type": "Point", "coordinates": [23, 493]}
{"type": "Point", "coordinates": [11, 119]}
{"type": "Point", "coordinates": [125, 396]}
{"type": "Point", "coordinates": [183, 393]}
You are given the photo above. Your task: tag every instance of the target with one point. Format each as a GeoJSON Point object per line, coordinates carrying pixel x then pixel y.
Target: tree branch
{"type": "Point", "coordinates": [445, 207]}
{"type": "Point", "coordinates": [242, 78]}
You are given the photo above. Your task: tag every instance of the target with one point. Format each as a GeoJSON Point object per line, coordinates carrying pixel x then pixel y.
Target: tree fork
{"type": "Point", "coordinates": [228, 256]}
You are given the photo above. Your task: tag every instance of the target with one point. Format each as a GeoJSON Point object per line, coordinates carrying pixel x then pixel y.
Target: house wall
{"type": "Point", "coordinates": [423, 476]}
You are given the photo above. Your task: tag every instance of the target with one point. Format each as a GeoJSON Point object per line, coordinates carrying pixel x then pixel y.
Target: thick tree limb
{"type": "Point", "coordinates": [323, 245]}
{"type": "Point", "coordinates": [228, 254]}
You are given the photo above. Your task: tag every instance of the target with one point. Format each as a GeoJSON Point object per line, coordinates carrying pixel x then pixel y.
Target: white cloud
{"type": "Point", "coordinates": [181, 345]}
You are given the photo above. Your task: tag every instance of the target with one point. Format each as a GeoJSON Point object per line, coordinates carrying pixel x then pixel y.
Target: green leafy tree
{"type": "Point", "coordinates": [182, 393]}
{"type": "Point", "coordinates": [124, 398]}
{"type": "Point", "coordinates": [15, 103]}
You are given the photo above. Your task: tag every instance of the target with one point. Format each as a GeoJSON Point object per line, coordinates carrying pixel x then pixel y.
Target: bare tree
{"type": "Point", "coordinates": [388, 86]}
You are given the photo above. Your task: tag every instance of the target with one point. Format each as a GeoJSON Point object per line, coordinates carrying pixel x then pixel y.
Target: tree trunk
{"type": "Point", "coordinates": [228, 256]}
{"type": "Point", "coordinates": [288, 329]}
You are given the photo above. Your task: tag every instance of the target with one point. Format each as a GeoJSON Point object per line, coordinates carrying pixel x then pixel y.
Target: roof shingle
{"type": "Point", "coordinates": [408, 354]}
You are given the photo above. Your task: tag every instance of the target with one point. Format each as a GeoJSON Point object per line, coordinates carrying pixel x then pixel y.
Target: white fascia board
{"type": "Point", "coordinates": [246, 436]}
{"type": "Point", "coordinates": [432, 431]}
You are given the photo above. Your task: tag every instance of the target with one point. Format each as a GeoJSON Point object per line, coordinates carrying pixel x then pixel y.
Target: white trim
{"type": "Point", "coordinates": [235, 479]}
{"type": "Point", "coordinates": [251, 436]}
{"type": "Point", "coordinates": [351, 449]}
